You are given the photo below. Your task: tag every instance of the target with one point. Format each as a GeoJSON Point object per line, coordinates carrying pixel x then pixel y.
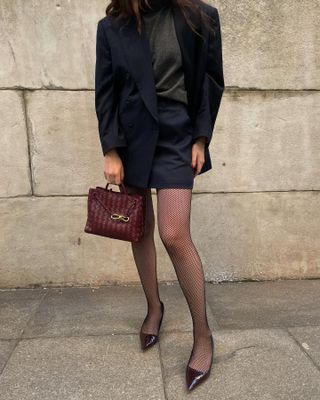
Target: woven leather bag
{"type": "Point", "coordinates": [116, 214]}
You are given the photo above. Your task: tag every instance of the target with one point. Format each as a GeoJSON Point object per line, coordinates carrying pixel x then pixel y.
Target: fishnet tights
{"type": "Point", "coordinates": [173, 215]}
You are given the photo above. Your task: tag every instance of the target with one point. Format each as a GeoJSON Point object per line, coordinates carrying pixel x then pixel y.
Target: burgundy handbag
{"type": "Point", "coordinates": [116, 214]}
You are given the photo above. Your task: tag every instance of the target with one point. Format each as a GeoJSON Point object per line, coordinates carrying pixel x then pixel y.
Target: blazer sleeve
{"type": "Point", "coordinates": [106, 103]}
{"type": "Point", "coordinates": [213, 85]}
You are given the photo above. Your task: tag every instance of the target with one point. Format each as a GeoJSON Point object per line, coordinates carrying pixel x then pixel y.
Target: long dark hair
{"type": "Point", "coordinates": [121, 9]}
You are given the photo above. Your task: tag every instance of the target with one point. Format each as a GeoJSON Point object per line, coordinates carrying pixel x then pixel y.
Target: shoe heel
{"type": "Point", "coordinates": [147, 340]}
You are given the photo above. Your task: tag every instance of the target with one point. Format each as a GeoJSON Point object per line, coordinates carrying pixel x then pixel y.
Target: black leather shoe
{"type": "Point", "coordinates": [147, 340]}
{"type": "Point", "coordinates": [194, 377]}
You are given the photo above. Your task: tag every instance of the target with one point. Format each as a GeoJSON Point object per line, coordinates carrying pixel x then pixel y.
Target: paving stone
{"type": "Point", "coordinates": [88, 311]}
{"type": "Point", "coordinates": [82, 368]}
{"type": "Point", "coordinates": [249, 365]}
{"type": "Point", "coordinates": [16, 307]}
{"type": "Point", "coordinates": [109, 309]}
{"type": "Point", "coordinates": [265, 304]}
{"type": "Point", "coordinates": [308, 337]}
{"type": "Point", "coordinates": [6, 348]}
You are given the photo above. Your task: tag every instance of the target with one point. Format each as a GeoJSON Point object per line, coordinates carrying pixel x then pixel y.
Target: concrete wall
{"type": "Point", "coordinates": [255, 215]}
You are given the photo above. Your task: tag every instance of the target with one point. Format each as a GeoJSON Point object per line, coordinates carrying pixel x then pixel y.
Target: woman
{"type": "Point", "coordinates": [158, 86]}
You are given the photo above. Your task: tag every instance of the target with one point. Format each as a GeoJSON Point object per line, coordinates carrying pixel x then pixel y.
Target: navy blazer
{"type": "Point", "coordinates": [125, 94]}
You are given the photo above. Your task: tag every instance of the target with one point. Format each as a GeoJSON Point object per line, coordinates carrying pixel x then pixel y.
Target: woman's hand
{"type": "Point", "coordinates": [113, 167]}
{"type": "Point", "coordinates": [198, 157]}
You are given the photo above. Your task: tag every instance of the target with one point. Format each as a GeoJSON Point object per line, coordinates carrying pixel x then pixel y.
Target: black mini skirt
{"type": "Point", "coordinates": [171, 167]}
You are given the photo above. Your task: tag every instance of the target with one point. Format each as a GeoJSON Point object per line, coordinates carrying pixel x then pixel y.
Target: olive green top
{"type": "Point", "coordinates": [166, 54]}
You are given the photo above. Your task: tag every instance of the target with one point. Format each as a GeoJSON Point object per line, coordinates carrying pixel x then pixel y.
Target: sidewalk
{"type": "Point", "coordinates": [83, 343]}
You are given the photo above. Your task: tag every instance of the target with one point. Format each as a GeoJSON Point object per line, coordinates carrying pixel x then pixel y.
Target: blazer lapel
{"type": "Point", "coordinates": [187, 44]}
{"type": "Point", "coordinates": [139, 58]}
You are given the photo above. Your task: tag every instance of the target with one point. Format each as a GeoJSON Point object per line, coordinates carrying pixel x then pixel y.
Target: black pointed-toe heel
{"type": "Point", "coordinates": [194, 377]}
{"type": "Point", "coordinates": [147, 340]}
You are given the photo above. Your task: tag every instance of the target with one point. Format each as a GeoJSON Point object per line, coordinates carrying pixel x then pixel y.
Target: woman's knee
{"type": "Point", "coordinates": [171, 234]}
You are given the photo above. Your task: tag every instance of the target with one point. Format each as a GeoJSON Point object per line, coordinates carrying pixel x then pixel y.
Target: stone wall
{"type": "Point", "coordinates": [255, 215]}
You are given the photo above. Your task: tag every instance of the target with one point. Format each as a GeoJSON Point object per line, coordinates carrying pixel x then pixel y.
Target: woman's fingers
{"type": "Point", "coordinates": [200, 163]}
{"type": "Point", "coordinates": [197, 160]}
{"type": "Point", "coordinates": [113, 170]}
{"type": "Point", "coordinates": [114, 178]}
{"type": "Point", "coordinates": [194, 158]}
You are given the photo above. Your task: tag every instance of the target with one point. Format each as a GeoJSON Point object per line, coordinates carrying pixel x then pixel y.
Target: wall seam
{"type": "Point", "coordinates": [30, 172]}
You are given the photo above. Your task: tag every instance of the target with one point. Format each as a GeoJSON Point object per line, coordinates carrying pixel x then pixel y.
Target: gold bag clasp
{"type": "Point", "coordinates": [120, 217]}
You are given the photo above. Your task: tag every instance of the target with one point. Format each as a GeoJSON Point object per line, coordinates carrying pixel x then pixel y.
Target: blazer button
{"type": "Point", "coordinates": [130, 125]}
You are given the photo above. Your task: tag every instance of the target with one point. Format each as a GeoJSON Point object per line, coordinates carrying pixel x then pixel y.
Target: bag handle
{"type": "Point", "coordinates": [121, 187]}
{"type": "Point", "coordinates": [131, 206]}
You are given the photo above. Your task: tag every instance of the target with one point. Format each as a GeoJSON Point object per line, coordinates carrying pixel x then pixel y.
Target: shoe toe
{"type": "Point", "coordinates": [147, 340]}
{"type": "Point", "coordinates": [194, 377]}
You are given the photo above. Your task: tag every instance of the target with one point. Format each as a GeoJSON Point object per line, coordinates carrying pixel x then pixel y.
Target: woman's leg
{"type": "Point", "coordinates": [173, 211]}
{"type": "Point", "coordinates": [144, 253]}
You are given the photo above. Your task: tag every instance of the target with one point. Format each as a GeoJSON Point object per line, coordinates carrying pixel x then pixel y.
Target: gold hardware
{"type": "Point", "coordinates": [120, 217]}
